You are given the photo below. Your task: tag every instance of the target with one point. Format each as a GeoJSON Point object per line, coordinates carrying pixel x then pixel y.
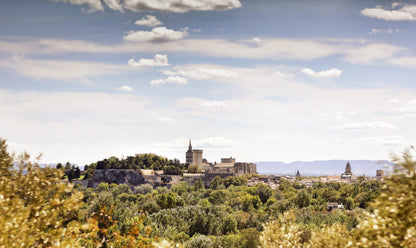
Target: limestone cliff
{"type": "Point", "coordinates": [117, 176]}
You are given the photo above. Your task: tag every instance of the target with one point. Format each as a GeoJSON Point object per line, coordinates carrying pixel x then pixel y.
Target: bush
{"type": "Point", "coordinates": [143, 189]}
{"type": "Point", "coordinates": [199, 241]}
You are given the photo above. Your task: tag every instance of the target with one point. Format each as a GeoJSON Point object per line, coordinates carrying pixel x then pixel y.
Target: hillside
{"type": "Point", "coordinates": [322, 167]}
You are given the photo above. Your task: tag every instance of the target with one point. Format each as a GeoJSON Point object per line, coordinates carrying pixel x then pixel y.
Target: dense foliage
{"type": "Point", "coordinates": [388, 221]}
{"type": "Point", "coordinates": [39, 208]}
{"type": "Point", "coordinates": [142, 161]}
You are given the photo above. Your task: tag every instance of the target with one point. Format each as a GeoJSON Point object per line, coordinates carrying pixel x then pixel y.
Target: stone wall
{"type": "Point", "coordinates": [244, 168]}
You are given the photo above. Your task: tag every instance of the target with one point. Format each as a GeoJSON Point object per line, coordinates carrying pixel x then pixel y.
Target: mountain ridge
{"type": "Point", "coordinates": [323, 167]}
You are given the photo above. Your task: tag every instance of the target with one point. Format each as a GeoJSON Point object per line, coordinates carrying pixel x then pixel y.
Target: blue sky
{"type": "Point", "coordinates": [82, 80]}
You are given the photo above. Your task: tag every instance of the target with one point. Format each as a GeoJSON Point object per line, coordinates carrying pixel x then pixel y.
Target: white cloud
{"type": "Point", "coordinates": [409, 108]}
{"type": "Point", "coordinates": [389, 140]}
{"type": "Point", "coordinates": [213, 104]}
{"type": "Point", "coordinates": [281, 74]}
{"type": "Point", "coordinates": [49, 122]}
{"type": "Point", "coordinates": [406, 13]}
{"type": "Point", "coordinates": [114, 5]}
{"type": "Point", "coordinates": [257, 39]}
{"type": "Point", "coordinates": [196, 102]}
{"type": "Point", "coordinates": [255, 105]}
{"type": "Point", "coordinates": [157, 82]}
{"type": "Point", "coordinates": [178, 6]}
{"type": "Point", "coordinates": [165, 119]}
{"type": "Point", "coordinates": [158, 60]}
{"type": "Point", "coordinates": [209, 142]}
{"type": "Point", "coordinates": [367, 125]}
{"type": "Point", "coordinates": [181, 6]}
{"type": "Point", "coordinates": [176, 80]}
{"type": "Point", "coordinates": [214, 142]}
{"type": "Point", "coordinates": [372, 53]}
{"type": "Point", "coordinates": [405, 61]}
{"type": "Point", "coordinates": [149, 20]}
{"type": "Point", "coordinates": [203, 72]}
{"type": "Point", "coordinates": [276, 49]}
{"type": "Point", "coordinates": [331, 73]}
{"type": "Point", "coordinates": [126, 89]}
{"type": "Point", "coordinates": [60, 69]}
{"type": "Point", "coordinates": [170, 79]}
{"type": "Point", "coordinates": [159, 34]}
{"type": "Point", "coordinates": [384, 31]}
{"type": "Point", "coordinates": [394, 101]}
{"type": "Point", "coordinates": [94, 5]}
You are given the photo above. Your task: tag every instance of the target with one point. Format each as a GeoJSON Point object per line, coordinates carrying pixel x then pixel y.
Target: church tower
{"type": "Point", "coordinates": [348, 168]}
{"type": "Point", "coordinates": [189, 154]}
{"type": "Point", "coordinates": [348, 173]}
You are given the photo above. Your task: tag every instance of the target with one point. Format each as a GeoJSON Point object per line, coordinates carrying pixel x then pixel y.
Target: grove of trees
{"type": "Point", "coordinates": [40, 209]}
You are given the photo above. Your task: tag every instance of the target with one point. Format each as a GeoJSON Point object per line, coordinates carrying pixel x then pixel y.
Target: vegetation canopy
{"type": "Point", "coordinates": [41, 208]}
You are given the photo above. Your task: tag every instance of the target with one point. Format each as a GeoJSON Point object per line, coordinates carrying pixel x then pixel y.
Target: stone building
{"type": "Point", "coordinates": [194, 156]}
{"type": "Point", "coordinates": [244, 168]}
{"type": "Point", "coordinates": [347, 174]}
{"type": "Point", "coordinates": [227, 167]}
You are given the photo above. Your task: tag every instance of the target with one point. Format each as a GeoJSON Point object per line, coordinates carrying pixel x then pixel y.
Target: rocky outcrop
{"type": "Point", "coordinates": [117, 176]}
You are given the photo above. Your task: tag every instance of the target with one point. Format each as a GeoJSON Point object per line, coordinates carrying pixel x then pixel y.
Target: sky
{"type": "Point", "coordinates": [263, 80]}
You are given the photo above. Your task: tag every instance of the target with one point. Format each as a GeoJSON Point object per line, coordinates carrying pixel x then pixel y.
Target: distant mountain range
{"type": "Point", "coordinates": [323, 167]}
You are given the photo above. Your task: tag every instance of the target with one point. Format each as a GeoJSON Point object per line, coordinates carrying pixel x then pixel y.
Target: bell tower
{"type": "Point", "coordinates": [189, 154]}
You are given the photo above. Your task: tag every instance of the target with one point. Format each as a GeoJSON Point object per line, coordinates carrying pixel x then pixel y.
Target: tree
{"type": "Point", "coordinates": [215, 183]}
{"type": "Point", "coordinates": [228, 225]}
{"type": "Point", "coordinates": [393, 222]}
{"type": "Point", "coordinates": [264, 192]}
{"type": "Point", "coordinates": [37, 209]}
{"type": "Point", "coordinates": [193, 169]}
{"type": "Point", "coordinates": [198, 185]}
{"type": "Point", "coordinates": [303, 199]}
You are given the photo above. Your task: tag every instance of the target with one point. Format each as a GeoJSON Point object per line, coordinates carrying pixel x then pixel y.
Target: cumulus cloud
{"type": "Point", "coordinates": [149, 20]}
{"type": "Point", "coordinates": [171, 80]}
{"type": "Point", "coordinates": [367, 125]}
{"type": "Point", "coordinates": [331, 73]}
{"type": "Point", "coordinates": [158, 60]}
{"type": "Point", "coordinates": [203, 72]}
{"type": "Point", "coordinates": [405, 13]}
{"type": "Point", "coordinates": [126, 89]}
{"type": "Point", "coordinates": [160, 34]}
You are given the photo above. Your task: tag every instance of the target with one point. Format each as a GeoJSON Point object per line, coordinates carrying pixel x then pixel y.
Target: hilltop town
{"type": "Point", "coordinates": [197, 168]}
